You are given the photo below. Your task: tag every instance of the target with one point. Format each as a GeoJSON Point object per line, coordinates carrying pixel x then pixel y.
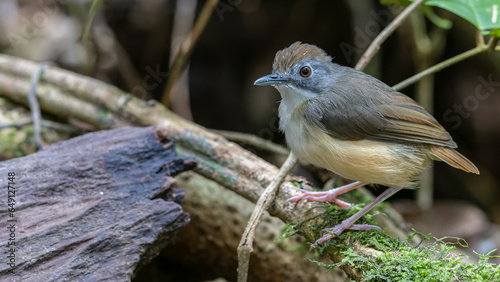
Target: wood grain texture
{"type": "Point", "coordinates": [84, 207]}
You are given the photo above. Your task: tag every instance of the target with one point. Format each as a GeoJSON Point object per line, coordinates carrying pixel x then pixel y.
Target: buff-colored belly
{"type": "Point", "coordinates": [390, 164]}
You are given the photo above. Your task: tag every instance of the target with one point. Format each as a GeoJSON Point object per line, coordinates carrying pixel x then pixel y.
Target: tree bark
{"type": "Point", "coordinates": [96, 207]}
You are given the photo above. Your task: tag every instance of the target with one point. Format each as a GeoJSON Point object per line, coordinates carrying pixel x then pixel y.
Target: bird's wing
{"type": "Point", "coordinates": [400, 119]}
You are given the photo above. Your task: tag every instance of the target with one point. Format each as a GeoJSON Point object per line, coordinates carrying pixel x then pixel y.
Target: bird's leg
{"type": "Point", "coordinates": [348, 224]}
{"type": "Point", "coordinates": [328, 196]}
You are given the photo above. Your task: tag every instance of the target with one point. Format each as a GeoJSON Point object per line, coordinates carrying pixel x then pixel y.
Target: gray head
{"type": "Point", "coordinates": [302, 66]}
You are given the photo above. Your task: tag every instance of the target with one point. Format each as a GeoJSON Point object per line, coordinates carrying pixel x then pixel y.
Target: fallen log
{"type": "Point", "coordinates": [96, 207]}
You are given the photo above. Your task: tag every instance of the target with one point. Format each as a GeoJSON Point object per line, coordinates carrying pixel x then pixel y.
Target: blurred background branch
{"type": "Point", "coordinates": [185, 49]}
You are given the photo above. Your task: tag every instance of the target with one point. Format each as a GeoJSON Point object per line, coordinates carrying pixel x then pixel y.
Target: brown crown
{"type": "Point", "coordinates": [297, 52]}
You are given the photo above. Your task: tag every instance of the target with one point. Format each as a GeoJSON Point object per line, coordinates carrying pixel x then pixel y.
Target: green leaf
{"type": "Point", "coordinates": [484, 14]}
{"type": "Point", "coordinates": [495, 32]}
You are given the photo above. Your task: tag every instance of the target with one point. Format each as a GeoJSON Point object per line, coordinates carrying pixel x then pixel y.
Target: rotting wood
{"type": "Point", "coordinates": [84, 208]}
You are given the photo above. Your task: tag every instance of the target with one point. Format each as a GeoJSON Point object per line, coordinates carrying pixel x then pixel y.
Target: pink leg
{"type": "Point", "coordinates": [348, 224]}
{"type": "Point", "coordinates": [328, 196]}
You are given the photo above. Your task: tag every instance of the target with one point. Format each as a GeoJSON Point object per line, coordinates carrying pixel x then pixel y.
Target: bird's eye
{"type": "Point", "coordinates": [305, 71]}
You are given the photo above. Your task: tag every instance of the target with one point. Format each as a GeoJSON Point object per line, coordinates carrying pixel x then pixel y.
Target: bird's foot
{"type": "Point", "coordinates": [338, 229]}
{"type": "Point", "coordinates": [328, 196]}
{"type": "Point", "coordinates": [324, 196]}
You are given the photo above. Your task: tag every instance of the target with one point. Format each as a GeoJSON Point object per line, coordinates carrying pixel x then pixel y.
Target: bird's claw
{"type": "Point", "coordinates": [298, 197]}
{"type": "Point", "coordinates": [337, 230]}
{"type": "Point", "coordinates": [325, 196]}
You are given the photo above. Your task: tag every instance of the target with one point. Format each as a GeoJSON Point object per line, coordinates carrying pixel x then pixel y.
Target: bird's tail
{"type": "Point", "coordinates": [453, 158]}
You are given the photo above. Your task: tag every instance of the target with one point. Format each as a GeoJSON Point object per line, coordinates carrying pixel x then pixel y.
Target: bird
{"type": "Point", "coordinates": [358, 127]}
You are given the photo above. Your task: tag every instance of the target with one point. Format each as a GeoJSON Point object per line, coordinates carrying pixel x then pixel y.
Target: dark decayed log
{"type": "Point", "coordinates": [89, 208]}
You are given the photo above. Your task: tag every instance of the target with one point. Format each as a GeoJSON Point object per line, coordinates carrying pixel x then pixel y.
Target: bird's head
{"type": "Point", "coordinates": [301, 70]}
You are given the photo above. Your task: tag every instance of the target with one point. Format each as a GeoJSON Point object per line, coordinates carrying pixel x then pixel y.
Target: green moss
{"type": "Point", "coordinates": [429, 261]}
{"type": "Point", "coordinates": [207, 166]}
{"type": "Point", "coordinates": [297, 183]}
{"type": "Point", "coordinates": [16, 142]}
{"type": "Point", "coordinates": [394, 259]}
{"type": "Point", "coordinates": [192, 142]}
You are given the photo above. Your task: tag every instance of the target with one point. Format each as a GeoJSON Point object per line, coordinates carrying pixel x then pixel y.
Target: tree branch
{"type": "Point", "coordinates": [255, 141]}
{"type": "Point", "coordinates": [444, 64]}
{"type": "Point", "coordinates": [435, 68]}
{"type": "Point", "coordinates": [375, 45]}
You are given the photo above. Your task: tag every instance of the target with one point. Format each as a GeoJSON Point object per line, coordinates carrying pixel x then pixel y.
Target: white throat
{"type": "Point", "coordinates": [291, 98]}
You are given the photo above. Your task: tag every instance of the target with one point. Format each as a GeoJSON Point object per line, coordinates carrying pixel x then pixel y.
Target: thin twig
{"type": "Point", "coordinates": [479, 38]}
{"type": "Point", "coordinates": [375, 45]}
{"type": "Point", "coordinates": [184, 16]}
{"type": "Point", "coordinates": [60, 126]}
{"type": "Point", "coordinates": [186, 48]}
{"type": "Point", "coordinates": [36, 114]}
{"type": "Point", "coordinates": [245, 248]}
{"type": "Point", "coordinates": [490, 46]}
{"type": "Point", "coordinates": [493, 43]}
{"type": "Point", "coordinates": [253, 140]}
{"type": "Point", "coordinates": [440, 66]}
{"type": "Point", "coordinates": [44, 123]}
{"type": "Point", "coordinates": [90, 19]}
{"type": "Point", "coordinates": [17, 124]}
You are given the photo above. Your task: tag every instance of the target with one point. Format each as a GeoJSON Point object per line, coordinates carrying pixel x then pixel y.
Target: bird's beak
{"type": "Point", "coordinates": [271, 79]}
